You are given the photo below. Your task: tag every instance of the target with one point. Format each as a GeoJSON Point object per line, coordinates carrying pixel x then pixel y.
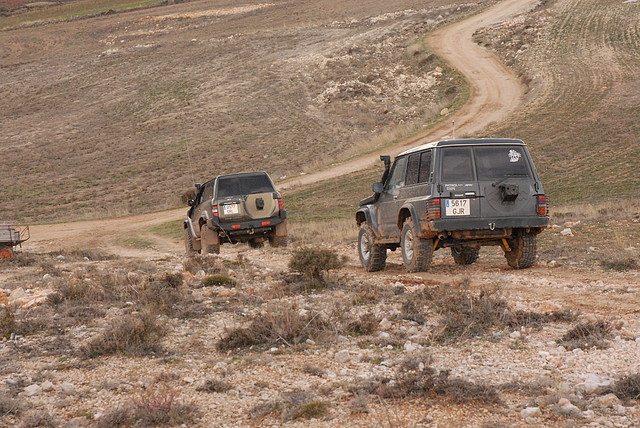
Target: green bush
{"type": "Point", "coordinates": [312, 262]}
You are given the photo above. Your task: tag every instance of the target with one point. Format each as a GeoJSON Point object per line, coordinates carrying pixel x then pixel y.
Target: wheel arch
{"type": "Point", "coordinates": [407, 211]}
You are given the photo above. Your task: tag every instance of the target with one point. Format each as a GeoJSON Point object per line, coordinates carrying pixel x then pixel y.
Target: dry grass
{"type": "Point", "coordinates": [293, 405]}
{"type": "Point", "coordinates": [587, 335]}
{"type": "Point", "coordinates": [133, 334]}
{"type": "Point", "coordinates": [627, 387]}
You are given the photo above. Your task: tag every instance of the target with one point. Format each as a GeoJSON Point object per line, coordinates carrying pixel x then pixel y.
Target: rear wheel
{"type": "Point", "coordinates": [417, 252]}
{"type": "Point", "coordinates": [372, 257]}
{"type": "Point", "coordinates": [209, 240]}
{"type": "Point", "coordinates": [523, 250]}
{"type": "Point", "coordinates": [188, 242]}
{"type": "Point", "coordinates": [465, 255]}
{"type": "Point", "coordinates": [6, 253]}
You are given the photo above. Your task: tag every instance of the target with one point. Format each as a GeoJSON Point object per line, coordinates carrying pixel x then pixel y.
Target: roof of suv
{"type": "Point", "coordinates": [465, 142]}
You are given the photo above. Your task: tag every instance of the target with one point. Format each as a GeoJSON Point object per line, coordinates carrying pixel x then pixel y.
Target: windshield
{"type": "Point", "coordinates": [496, 162]}
{"type": "Point", "coordinates": [244, 185]}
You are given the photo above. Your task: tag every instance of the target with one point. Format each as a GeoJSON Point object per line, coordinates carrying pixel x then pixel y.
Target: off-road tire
{"type": "Point", "coordinates": [523, 250]}
{"type": "Point", "coordinates": [465, 255]}
{"type": "Point", "coordinates": [278, 241]}
{"type": "Point", "coordinates": [188, 242]}
{"type": "Point", "coordinates": [372, 257]}
{"type": "Point", "coordinates": [209, 243]}
{"type": "Point", "coordinates": [417, 253]}
{"type": "Point", "coordinates": [255, 244]}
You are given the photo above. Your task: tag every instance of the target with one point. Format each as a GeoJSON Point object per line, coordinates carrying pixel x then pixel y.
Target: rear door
{"type": "Point", "coordinates": [460, 190]}
{"type": "Point", "coordinates": [246, 197]}
{"type": "Point", "coordinates": [506, 180]}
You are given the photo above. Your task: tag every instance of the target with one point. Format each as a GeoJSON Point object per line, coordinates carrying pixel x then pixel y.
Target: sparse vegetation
{"type": "Point", "coordinates": [588, 334]}
{"type": "Point", "coordinates": [313, 262]}
{"type": "Point", "coordinates": [133, 334]}
{"type": "Point", "coordinates": [627, 387]}
{"type": "Point", "coordinates": [215, 385]}
{"type": "Point", "coordinates": [218, 280]}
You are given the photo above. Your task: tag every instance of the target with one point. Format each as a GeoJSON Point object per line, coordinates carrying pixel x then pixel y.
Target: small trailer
{"type": "Point", "coordinates": [11, 236]}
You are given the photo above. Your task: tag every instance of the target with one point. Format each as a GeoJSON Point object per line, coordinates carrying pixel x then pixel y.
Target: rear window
{"type": "Point", "coordinates": [457, 165]}
{"type": "Point", "coordinates": [496, 162]}
{"type": "Point", "coordinates": [244, 185]}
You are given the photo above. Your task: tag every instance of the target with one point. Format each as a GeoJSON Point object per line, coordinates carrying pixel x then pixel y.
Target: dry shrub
{"type": "Point", "coordinates": [365, 324]}
{"type": "Point", "coordinates": [196, 263]}
{"type": "Point", "coordinates": [157, 296]}
{"type": "Point", "coordinates": [75, 289]}
{"type": "Point", "coordinates": [9, 406]}
{"type": "Point", "coordinates": [7, 321]}
{"type": "Point", "coordinates": [157, 406]}
{"type": "Point", "coordinates": [284, 324]}
{"type": "Point", "coordinates": [292, 405]}
{"type": "Point", "coordinates": [214, 385]}
{"type": "Point", "coordinates": [93, 254]}
{"type": "Point", "coordinates": [619, 263]}
{"type": "Point", "coordinates": [314, 370]}
{"type": "Point", "coordinates": [39, 418]}
{"type": "Point", "coordinates": [172, 280]}
{"type": "Point", "coordinates": [590, 334]}
{"type": "Point", "coordinates": [313, 262]}
{"type": "Point", "coordinates": [627, 387]}
{"type": "Point", "coordinates": [132, 334]}
{"type": "Point", "coordinates": [412, 311]}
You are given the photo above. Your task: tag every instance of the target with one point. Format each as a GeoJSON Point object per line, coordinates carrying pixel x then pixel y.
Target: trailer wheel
{"type": "Point", "coordinates": [6, 253]}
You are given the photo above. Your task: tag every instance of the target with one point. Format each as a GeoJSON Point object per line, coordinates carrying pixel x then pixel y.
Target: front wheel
{"type": "Point", "coordinates": [372, 257]}
{"type": "Point", "coordinates": [465, 255]}
{"type": "Point", "coordinates": [188, 242]}
{"type": "Point", "coordinates": [523, 250]}
{"type": "Point", "coordinates": [417, 252]}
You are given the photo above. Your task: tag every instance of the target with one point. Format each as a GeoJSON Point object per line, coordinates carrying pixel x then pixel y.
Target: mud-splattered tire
{"type": "Point", "coordinates": [209, 241]}
{"type": "Point", "coordinates": [6, 253]}
{"type": "Point", "coordinates": [465, 255]}
{"type": "Point", "coordinates": [417, 252]}
{"type": "Point", "coordinates": [278, 241]}
{"type": "Point", "coordinates": [255, 244]}
{"type": "Point", "coordinates": [188, 242]}
{"type": "Point", "coordinates": [523, 250]}
{"type": "Point", "coordinates": [372, 257]}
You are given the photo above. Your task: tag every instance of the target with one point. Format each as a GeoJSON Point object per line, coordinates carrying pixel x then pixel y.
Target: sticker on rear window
{"type": "Point", "coordinates": [514, 156]}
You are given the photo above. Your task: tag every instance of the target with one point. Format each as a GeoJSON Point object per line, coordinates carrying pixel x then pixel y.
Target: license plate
{"type": "Point", "coordinates": [457, 207]}
{"type": "Point", "coordinates": [230, 209]}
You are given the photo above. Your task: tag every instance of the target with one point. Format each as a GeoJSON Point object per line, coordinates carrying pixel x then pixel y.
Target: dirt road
{"type": "Point", "coordinates": [495, 90]}
{"type": "Point", "coordinates": [496, 93]}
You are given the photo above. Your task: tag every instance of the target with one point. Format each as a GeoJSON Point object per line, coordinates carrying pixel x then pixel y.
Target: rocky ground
{"type": "Point", "coordinates": [244, 339]}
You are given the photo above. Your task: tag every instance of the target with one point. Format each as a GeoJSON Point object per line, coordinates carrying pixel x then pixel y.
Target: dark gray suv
{"type": "Point", "coordinates": [458, 194]}
{"type": "Point", "coordinates": [235, 208]}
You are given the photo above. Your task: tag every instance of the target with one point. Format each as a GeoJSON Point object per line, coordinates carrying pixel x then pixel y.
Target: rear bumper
{"type": "Point", "coordinates": [456, 224]}
{"type": "Point", "coordinates": [250, 227]}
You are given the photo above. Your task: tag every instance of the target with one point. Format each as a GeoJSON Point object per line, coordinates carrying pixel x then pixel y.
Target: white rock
{"type": "Point", "coordinates": [620, 409]}
{"type": "Point", "coordinates": [515, 334]}
{"type": "Point", "coordinates": [592, 383]}
{"type": "Point", "coordinates": [566, 232]}
{"type": "Point", "coordinates": [578, 351]}
{"type": "Point", "coordinates": [589, 414]}
{"type": "Point", "coordinates": [47, 386]}
{"type": "Point", "coordinates": [384, 335]}
{"type": "Point", "coordinates": [385, 324]}
{"type": "Point", "coordinates": [32, 390]}
{"type": "Point", "coordinates": [410, 346]}
{"type": "Point", "coordinates": [342, 356]}
{"type": "Point", "coordinates": [67, 388]}
{"type": "Point", "coordinates": [569, 409]}
{"type": "Point", "coordinates": [606, 401]}
{"type": "Point", "coordinates": [530, 412]}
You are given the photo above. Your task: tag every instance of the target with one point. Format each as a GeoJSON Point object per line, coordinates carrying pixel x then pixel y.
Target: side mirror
{"type": "Point", "coordinates": [198, 186]}
{"type": "Point", "coordinates": [378, 187]}
{"type": "Point", "coordinates": [191, 202]}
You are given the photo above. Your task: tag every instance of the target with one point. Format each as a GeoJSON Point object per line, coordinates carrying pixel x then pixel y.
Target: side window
{"type": "Point", "coordinates": [413, 167]}
{"type": "Point", "coordinates": [397, 175]}
{"type": "Point", "coordinates": [457, 165]}
{"type": "Point", "coordinates": [207, 195]}
{"type": "Point", "coordinates": [425, 167]}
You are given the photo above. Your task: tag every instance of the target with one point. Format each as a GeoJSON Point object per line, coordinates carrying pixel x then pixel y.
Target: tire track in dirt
{"type": "Point", "coordinates": [496, 92]}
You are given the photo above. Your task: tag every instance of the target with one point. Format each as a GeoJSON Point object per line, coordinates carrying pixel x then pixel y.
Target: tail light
{"type": "Point", "coordinates": [433, 209]}
{"type": "Point", "coordinates": [214, 210]}
{"type": "Point", "coordinates": [280, 204]}
{"type": "Point", "coordinates": [543, 206]}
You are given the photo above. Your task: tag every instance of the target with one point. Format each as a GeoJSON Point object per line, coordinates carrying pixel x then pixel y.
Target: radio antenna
{"type": "Point", "coordinates": [453, 129]}
{"type": "Point", "coordinates": [186, 143]}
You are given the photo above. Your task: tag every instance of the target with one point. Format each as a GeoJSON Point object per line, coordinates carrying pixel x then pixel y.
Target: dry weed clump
{"type": "Point", "coordinates": [293, 405]}
{"type": "Point", "coordinates": [9, 406]}
{"type": "Point", "coordinates": [196, 263]}
{"type": "Point", "coordinates": [285, 324]}
{"type": "Point", "coordinates": [313, 262]}
{"type": "Point", "coordinates": [589, 334]}
{"type": "Point", "coordinates": [627, 387]}
{"type": "Point", "coordinates": [415, 378]}
{"type": "Point", "coordinates": [214, 385]}
{"type": "Point", "coordinates": [39, 419]}
{"type": "Point", "coordinates": [7, 321]}
{"type": "Point", "coordinates": [158, 405]}
{"type": "Point", "coordinates": [619, 263]}
{"type": "Point", "coordinates": [218, 280]}
{"type": "Point", "coordinates": [132, 334]}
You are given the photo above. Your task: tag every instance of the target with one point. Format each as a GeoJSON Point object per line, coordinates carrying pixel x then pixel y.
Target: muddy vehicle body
{"type": "Point", "coordinates": [457, 194]}
{"type": "Point", "coordinates": [11, 237]}
{"type": "Point", "coordinates": [234, 208]}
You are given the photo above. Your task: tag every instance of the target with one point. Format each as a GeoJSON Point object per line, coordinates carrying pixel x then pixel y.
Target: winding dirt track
{"type": "Point", "coordinates": [496, 92]}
